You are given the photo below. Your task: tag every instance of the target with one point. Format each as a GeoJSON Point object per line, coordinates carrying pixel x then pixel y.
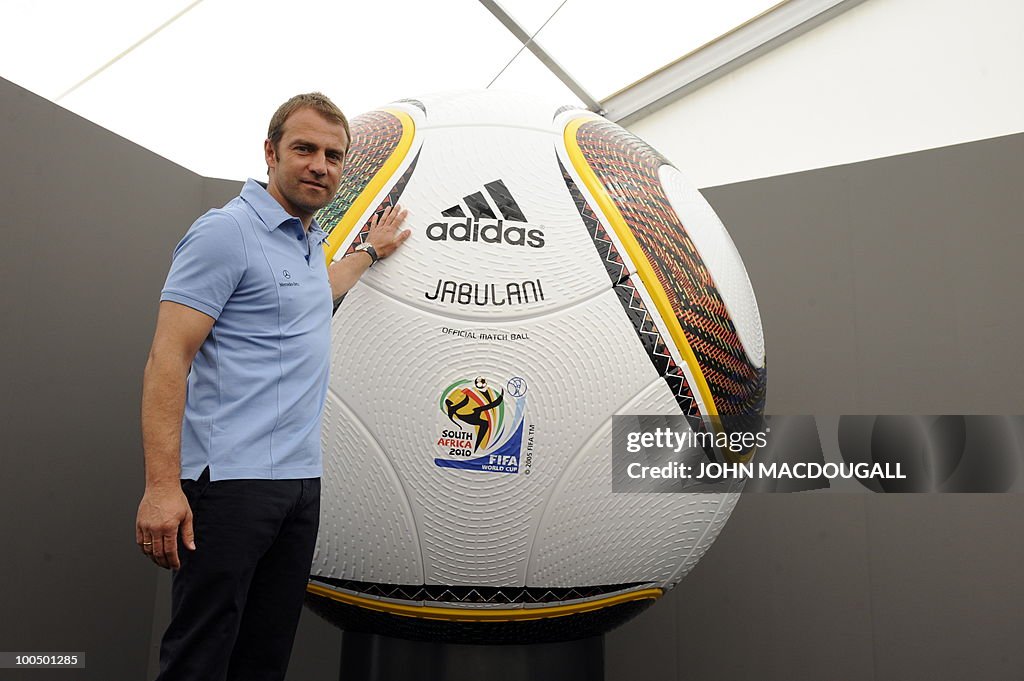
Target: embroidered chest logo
{"type": "Point", "coordinates": [287, 282]}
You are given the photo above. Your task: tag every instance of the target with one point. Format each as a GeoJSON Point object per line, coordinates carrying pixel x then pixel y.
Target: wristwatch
{"type": "Point", "coordinates": [370, 251]}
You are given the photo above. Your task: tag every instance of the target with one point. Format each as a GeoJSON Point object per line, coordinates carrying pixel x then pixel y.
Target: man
{"type": "Point", "coordinates": [232, 398]}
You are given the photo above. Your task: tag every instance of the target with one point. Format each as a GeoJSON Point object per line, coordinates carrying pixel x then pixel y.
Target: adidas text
{"type": "Point", "coordinates": [490, 233]}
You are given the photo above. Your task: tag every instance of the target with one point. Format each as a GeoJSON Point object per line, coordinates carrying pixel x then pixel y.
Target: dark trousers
{"type": "Point", "coordinates": [236, 601]}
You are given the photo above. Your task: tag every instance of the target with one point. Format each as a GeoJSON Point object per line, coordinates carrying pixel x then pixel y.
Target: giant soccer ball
{"type": "Point", "coordinates": [560, 271]}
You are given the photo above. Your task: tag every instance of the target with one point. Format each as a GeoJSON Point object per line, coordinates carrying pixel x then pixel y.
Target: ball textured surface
{"type": "Point", "coordinates": [560, 271]}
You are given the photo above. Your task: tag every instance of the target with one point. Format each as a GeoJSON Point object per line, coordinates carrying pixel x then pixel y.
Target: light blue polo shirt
{"type": "Point", "coordinates": [257, 386]}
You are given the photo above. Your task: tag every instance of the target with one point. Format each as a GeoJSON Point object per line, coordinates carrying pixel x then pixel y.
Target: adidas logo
{"type": "Point", "coordinates": [476, 225]}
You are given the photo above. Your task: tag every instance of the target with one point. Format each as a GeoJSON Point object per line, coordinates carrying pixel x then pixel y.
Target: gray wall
{"type": "Point", "coordinates": [885, 287]}
{"type": "Point", "coordinates": [890, 286]}
{"type": "Point", "coordinates": [87, 224]}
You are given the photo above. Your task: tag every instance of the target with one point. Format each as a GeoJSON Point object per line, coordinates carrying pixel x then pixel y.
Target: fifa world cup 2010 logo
{"type": "Point", "coordinates": [482, 427]}
{"type": "Point", "coordinates": [479, 407]}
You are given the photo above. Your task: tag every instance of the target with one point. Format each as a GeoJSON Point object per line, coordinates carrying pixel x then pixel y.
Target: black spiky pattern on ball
{"type": "Point", "coordinates": [546, 630]}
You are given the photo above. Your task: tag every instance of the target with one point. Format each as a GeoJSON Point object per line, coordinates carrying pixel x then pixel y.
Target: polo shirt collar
{"type": "Point", "coordinates": [271, 213]}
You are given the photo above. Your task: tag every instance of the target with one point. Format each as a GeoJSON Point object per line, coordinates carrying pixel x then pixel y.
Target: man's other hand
{"type": "Point", "coordinates": [163, 513]}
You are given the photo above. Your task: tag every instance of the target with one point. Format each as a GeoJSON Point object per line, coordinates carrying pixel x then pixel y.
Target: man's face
{"type": "Point", "coordinates": [305, 168]}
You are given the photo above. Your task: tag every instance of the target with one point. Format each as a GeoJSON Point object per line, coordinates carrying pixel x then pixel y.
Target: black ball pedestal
{"type": "Point", "coordinates": [372, 657]}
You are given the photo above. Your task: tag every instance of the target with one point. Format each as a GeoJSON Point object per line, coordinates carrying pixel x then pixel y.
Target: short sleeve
{"type": "Point", "coordinates": [207, 265]}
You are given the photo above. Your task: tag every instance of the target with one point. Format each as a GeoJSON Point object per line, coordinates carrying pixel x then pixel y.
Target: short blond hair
{"type": "Point", "coordinates": [317, 101]}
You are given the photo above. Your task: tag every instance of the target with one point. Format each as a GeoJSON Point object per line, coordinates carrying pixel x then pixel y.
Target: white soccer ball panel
{"type": "Point", "coordinates": [589, 535]}
{"type": "Point", "coordinates": [476, 527]}
{"type": "Point", "coordinates": [493, 108]}
{"type": "Point", "coordinates": [449, 266]}
{"type": "Point", "coordinates": [367, 530]}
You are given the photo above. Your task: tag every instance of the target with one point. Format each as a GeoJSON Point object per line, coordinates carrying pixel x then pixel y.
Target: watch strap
{"type": "Point", "coordinates": [369, 250]}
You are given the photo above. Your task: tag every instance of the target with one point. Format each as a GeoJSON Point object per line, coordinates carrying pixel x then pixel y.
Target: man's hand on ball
{"type": "Point", "coordinates": [385, 233]}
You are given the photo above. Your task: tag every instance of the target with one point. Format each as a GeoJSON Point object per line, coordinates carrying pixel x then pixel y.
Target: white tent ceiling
{"type": "Point", "coordinates": [197, 80]}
